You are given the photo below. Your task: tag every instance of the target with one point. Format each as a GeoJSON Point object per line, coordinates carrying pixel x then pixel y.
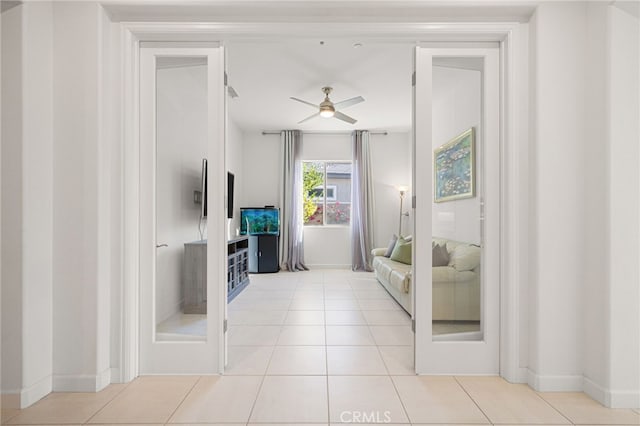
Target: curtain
{"type": "Point", "coordinates": [291, 247]}
{"type": "Point", "coordinates": [361, 202]}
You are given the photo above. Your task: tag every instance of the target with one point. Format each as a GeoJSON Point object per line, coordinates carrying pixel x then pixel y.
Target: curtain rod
{"type": "Point", "coordinates": [273, 132]}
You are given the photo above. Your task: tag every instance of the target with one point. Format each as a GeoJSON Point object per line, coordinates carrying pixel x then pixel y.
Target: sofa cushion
{"type": "Point", "coordinates": [439, 255]}
{"type": "Point", "coordinates": [448, 274]}
{"type": "Point", "coordinates": [392, 245]}
{"type": "Point", "coordinates": [402, 251]}
{"type": "Point", "coordinates": [400, 277]}
{"type": "Point", "coordinates": [383, 266]}
{"type": "Point", "coordinates": [465, 257]}
{"type": "Point", "coordinates": [378, 252]}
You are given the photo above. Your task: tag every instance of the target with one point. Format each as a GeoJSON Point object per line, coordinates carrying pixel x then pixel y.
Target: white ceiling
{"type": "Point", "coordinates": [266, 74]}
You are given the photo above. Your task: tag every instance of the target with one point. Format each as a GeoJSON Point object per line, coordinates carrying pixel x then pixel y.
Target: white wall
{"type": "Point", "coordinates": [331, 246]}
{"type": "Point", "coordinates": [596, 264]}
{"type": "Point", "coordinates": [327, 247]}
{"type": "Point", "coordinates": [559, 228]}
{"type": "Point", "coordinates": [260, 169]}
{"type": "Point", "coordinates": [181, 146]}
{"type": "Point", "coordinates": [457, 106]}
{"type": "Point", "coordinates": [81, 261]}
{"type": "Point", "coordinates": [12, 204]}
{"type": "Point", "coordinates": [391, 167]}
{"type": "Point", "coordinates": [27, 202]}
{"type": "Point", "coordinates": [624, 203]}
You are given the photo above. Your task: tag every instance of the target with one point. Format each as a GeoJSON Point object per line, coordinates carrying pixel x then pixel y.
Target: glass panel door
{"type": "Point", "coordinates": [182, 230]}
{"type": "Point", "coordinates": [457, 120]}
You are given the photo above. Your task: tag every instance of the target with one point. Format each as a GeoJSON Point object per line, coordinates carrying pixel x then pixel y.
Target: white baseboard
{"type": "Point", "coordinates": [116, 375]}
{"type": "Point", "coordinates": [81, 382]}
{"type": "Point", "coordinates": [23, 398]}
{"type": "Point", "coordinates": [624, 399]}
{"type": "Point", "coordinates": [596, 392]}
{"type": "Point", "coordinates": [520, 375]}
{"type": "Point", "coordinates": [611, 398]}
{"type": "Point", "coordinates": [328, 266]}
{"type": "Point", "coordinates": [548, 383]}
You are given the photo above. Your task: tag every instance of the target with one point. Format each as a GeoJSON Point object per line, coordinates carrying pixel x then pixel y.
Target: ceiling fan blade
{"type": "Point", "coordinates": [310, 117]}
{"type": "Point", "coordinates": [304, 102]}
{"type": "Point", "coordinates": [344, 117]}
{"type": "Point", "coordinates": [349, 102]}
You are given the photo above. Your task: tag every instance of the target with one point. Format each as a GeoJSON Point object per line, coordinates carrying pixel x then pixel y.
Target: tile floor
{"type": "Point", "coordinates": [319, 348]}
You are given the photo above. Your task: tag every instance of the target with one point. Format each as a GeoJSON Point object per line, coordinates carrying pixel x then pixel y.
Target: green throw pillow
{"type": "Point", "coordinates": [402, 251]}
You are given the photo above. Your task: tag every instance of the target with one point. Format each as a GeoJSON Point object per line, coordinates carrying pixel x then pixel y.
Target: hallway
{"type": "Point", "coordinates": [319, 347]}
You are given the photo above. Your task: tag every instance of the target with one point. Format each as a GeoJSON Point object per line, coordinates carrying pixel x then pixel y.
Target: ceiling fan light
{"type": "Point", "coordinates": [327, 111]}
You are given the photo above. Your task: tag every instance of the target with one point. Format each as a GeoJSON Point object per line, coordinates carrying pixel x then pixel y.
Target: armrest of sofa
{"type": "Point", "coordinates": [378, 251]}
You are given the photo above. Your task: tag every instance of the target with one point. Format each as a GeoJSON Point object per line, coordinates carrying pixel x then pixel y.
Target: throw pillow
{"type": "Point", "coordinates": [402, 251]}
{"type": "Point", "coordinates": [392, 244]}
{"type": "Point", "coordinates": [440, 256]}
{"type": "Point", "coordinates": [465, 257]}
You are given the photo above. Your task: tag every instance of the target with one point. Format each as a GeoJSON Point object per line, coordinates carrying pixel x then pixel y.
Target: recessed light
{"type": "Point", "coordinates": [357, 45]}
{"type": "Point", "coordinates": [321, 43]}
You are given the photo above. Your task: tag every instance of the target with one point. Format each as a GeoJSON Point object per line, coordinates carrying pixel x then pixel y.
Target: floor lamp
{"type": "Point", "coordinates": [403, 190]}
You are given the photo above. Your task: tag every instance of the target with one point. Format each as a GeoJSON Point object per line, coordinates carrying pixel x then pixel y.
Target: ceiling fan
{"type": "Point", "coordinates": [329, 109]}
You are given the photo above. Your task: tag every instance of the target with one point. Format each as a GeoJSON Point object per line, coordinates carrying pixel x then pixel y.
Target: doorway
{"type": "Point", "coordinates": [214, 31]}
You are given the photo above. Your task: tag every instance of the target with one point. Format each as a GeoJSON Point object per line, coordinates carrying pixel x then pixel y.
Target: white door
{"type": "Point", "coordinates": [457, 207]}
{"type": "Point", "coordinates": [182, 252]}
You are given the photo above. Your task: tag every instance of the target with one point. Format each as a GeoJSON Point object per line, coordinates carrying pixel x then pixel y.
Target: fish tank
{"type": "Point", "coordinates": [259, 221]}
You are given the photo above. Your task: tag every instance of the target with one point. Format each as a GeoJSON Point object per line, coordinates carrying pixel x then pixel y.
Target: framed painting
{"type": "Point", "coordinates": [454, 168]}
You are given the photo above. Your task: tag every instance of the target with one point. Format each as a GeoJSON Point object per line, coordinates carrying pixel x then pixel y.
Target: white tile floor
{"type": "Point", "coordinates": [319, 348]}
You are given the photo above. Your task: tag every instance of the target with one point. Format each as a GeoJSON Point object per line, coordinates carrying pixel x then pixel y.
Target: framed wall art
{"type": "Point", "coordinates": [454, 168]}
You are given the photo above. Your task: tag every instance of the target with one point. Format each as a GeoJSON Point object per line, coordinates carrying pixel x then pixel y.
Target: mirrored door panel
{"type": "Point", "coordinates": [181, 249]}
{"type": "Point", "coordinates": [182, 225]}
{"type": "Point", "coordinates": [457, 209]}
{"type": "Point", "coordinates": [457, 198]}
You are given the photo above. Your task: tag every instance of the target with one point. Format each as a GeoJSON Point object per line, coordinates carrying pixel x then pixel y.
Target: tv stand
{"type": "Point", "coordinates": [194, 284]}
{"type": "Point", "coordinates": [263, 253]}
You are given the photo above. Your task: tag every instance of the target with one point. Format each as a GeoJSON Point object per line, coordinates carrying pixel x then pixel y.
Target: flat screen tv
{"type": "Point", "coordinates": [230, 182]}
{"type": "Point", "coordinates": [259, 221]}
{"type": "Point", "coordinates": [203, 188]}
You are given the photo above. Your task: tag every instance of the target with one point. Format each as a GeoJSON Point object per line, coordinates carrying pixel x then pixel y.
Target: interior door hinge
{"type": "Point", "coordinates": [413, 201]}
{"type": "Point", "coordinates": [225, 325]}
{"type": "Point", "coordinates": [413, 325]}
{"type": "Point", "coordinates": [413, 79]}
{"type": "Point", "coordinates": [226, 79]}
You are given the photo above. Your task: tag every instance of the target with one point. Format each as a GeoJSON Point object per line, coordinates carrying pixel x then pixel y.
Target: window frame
{"type": "Point", "coordinates": [324, 197]}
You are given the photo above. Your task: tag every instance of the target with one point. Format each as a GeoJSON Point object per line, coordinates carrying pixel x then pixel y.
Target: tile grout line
{"type": "Point", "coordinates": [126, 385]}
{"type": "Point", "coordinates": [393, 383]}
{"type": "Point", "coordinates": [264, 376]}
{"type": "Point", "coordinates": [471, 398]}
{"type": "Point", "coordinates": [183, 399]}
{"type": "Point", "coordinates": [552, 406]}
{"type": "Point", "coordinates": [326, 351]}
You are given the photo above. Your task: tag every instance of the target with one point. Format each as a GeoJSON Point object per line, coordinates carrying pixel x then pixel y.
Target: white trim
{"type": "Point", "coordinates": [516, 85]}
{"type": "Point", "coordinates": [81, 382]}
{"type": "Point", "coordinates": [548, 383]}
{"type": "Point", "coordinates": [25, 397]}
{"type": "Point", "coordinates": [597, 392]}
{"type": "Point", "coordinates": [611, 398]}
{"type": "Point", "coordinates": [514, 160]}
{"type": "Point", "coordinates": [116, 375]}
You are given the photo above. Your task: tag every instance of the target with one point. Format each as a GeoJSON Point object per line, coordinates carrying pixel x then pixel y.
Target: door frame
{"type": "Point", "coordinates": [196, 355]}
{"type": "Point", "coordinates": [514, 148]}
{"type": "Point", "coordinates": [482, 355]}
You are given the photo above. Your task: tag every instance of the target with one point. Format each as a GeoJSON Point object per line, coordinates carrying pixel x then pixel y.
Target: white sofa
{"type": "Point", "coordinates": [456, 287]}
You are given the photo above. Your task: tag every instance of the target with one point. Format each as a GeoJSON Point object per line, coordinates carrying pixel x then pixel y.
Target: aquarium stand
{"type": "Point", "coordinates": [263, 253]}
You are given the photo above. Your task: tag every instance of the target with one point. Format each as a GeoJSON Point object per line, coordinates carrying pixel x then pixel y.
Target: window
{"type": "Point", "coordinates": [326, 192]}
